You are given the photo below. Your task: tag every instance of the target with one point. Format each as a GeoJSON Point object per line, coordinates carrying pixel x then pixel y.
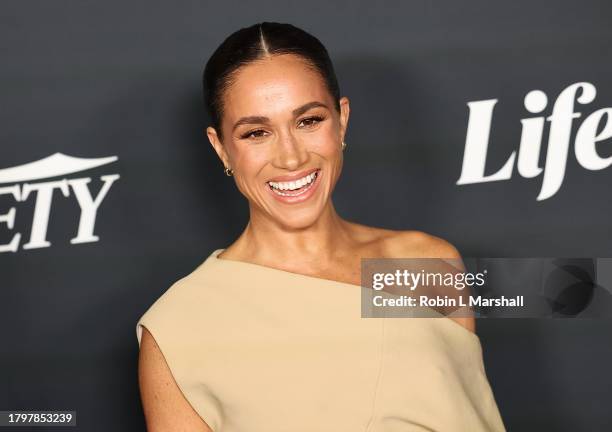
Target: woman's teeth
{"type": "Point", "coordinates": [294, 186]}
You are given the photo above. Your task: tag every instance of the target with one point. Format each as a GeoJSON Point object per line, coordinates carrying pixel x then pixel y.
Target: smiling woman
{"type": "Point", "coordinates": [277, 123]}
{"type": "Point", "coordinates": [246, 342]}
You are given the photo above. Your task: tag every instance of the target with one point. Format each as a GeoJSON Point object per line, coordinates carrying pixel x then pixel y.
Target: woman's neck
{"type": "Point", "coordinates": [266, 241]}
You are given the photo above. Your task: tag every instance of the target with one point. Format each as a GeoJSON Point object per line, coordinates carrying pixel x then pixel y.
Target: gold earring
{"type": "Point", "coordinates": [343, 145]}
{"type": "Point", "coordinates": [228, 171]}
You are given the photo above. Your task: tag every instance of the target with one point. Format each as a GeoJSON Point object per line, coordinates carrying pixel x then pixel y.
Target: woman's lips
{"type": "Point", "coordinates": [288, 178]}
{"type": "Point", "coordinates": [299, 195]}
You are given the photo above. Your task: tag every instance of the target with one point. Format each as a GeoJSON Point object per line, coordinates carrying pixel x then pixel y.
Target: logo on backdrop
{"type": "Point", "coordinates": [594, 128]}
{"type": "Point", "coordinates": [57, 164]}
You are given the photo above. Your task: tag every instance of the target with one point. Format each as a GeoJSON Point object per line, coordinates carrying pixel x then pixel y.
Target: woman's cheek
{"type": "Point", "coordinates": [324, 143]}
{"type": "Point", "coordinates": [251, 157]}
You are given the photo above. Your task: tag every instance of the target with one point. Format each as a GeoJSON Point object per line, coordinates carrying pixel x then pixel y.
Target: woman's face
{"type": "Point", "coordinates": [282, 137]}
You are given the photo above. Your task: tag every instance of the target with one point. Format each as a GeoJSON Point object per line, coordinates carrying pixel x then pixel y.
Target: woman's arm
{"type": "Point", "coordinates": [165, 407]}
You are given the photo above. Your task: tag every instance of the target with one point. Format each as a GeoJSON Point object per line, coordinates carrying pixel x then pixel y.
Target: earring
{"type": "Point", "coordinates": [343, 145]}
{"type": "Point", "coordinates": [228, 171]}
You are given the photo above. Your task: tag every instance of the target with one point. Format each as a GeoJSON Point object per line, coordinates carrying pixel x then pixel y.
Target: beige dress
{"type": "Point", "coordinates": [257, 349]}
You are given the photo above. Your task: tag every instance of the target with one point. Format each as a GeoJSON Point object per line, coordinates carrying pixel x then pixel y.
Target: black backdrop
{"type": "Point", "coordinates": [99, 79]}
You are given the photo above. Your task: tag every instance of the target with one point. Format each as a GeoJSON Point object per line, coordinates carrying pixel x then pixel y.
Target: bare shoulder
{"type": "Point", "coordinates": [419, 244]}
{"type": "Point", "coordinates": [388, 243]}
{"type": "Point", "coordinates": [165, 408]}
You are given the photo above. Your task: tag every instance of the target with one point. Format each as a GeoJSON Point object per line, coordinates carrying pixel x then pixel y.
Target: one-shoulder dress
{"type": "Point", "coordinates": [258, 349]}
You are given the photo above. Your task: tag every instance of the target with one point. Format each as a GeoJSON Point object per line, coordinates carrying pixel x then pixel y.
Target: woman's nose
{"type": "Point", "coordinates": [290, 152]}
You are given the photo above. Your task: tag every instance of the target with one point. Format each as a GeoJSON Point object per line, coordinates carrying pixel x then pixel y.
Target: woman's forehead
{"type": "Point", "coordinates": [277, 83]}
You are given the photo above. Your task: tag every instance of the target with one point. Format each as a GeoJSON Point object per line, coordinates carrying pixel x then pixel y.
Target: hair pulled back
{"type": "Point", "coordinates": [255, 43]}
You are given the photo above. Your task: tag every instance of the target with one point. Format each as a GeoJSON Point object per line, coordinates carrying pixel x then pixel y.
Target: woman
{"type": "Point", "coordinates": [265, 335]}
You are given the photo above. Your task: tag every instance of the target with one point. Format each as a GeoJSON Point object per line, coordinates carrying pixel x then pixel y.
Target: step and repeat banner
{"type": "Point", "coordinates": [486, 124]}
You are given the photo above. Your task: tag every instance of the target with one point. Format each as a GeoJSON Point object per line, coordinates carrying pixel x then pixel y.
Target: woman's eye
{"type": "Point", "coordinates": [259, 133]}
{"type": "Point", "coordinates": [310, 121]}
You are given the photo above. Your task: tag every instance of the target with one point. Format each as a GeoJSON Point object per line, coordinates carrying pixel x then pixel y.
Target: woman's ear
{"type": "Point", "coordinates": [344, 116]}
{"type": "Point", "coordinates": [218, 146]}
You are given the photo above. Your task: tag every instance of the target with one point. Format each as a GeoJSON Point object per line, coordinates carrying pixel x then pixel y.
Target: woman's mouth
{"type": "Point", "coordinates": [297, 190]}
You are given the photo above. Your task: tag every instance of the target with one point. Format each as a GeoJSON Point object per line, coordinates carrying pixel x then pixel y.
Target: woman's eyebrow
{"type": "Point", "coordinates": [261, 119]}
{"type": "Point", "coordinates": [301, 110]}
{"type": "Point", "coordinates": [250, 120]}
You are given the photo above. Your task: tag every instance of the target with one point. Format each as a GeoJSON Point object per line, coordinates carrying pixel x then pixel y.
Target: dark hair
{"type": "Point", "coordinates": [256, 42]}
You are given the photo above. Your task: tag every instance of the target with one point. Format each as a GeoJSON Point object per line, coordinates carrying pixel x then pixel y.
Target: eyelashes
{"type": "Point", "coordinates": [248, 134]}
{"type": "Point", "coordinates": [311, 121]}
{"type": "Point", "coordinates": [315, 118]}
